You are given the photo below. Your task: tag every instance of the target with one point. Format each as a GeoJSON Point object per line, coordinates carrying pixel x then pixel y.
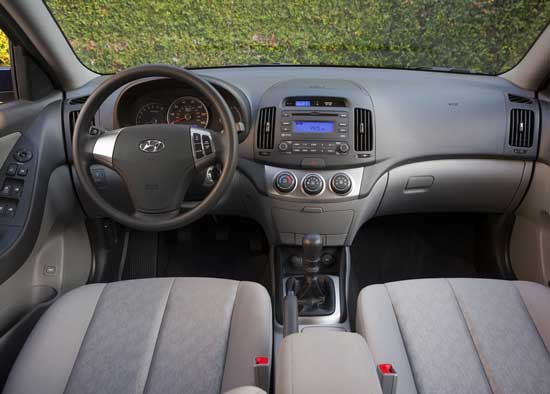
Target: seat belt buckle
{"type": "Point", "coordinates": [388, 378]}
{"type": "Point", "coordinates": [262, 376]}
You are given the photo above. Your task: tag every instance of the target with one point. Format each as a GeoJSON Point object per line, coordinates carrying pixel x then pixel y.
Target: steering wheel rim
{"type": "Point", "coordinates": [226, 152]}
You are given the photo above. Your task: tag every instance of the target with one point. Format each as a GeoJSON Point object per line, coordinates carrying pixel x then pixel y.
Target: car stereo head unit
{"type": "Point", "coordinates": [309, 132]}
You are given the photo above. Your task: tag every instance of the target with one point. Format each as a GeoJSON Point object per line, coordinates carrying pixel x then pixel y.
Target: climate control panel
{"type": "Point", "coordinates": [313, 186]}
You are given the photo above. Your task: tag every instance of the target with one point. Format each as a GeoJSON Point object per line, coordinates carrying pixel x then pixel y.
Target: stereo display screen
{"type": "Point", "coordinates": [313, 127]}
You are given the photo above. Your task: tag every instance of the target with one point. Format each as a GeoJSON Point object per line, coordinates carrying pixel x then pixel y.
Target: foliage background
{"type": "Point", "coordinates": [4, 50]}
{"type": "Point", "coordinates": [487, 36]}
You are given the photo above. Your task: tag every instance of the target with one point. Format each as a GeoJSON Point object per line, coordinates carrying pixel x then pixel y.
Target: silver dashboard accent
{"type": "Point", "coordinates": [327, 195]}
{"type": "Point", "coordinates": [322, 320]}
{"type": "Point", "coordinates": [105, 146]}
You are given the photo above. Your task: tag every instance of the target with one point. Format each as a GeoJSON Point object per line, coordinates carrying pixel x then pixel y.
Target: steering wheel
{"type": "Point", "coordinates": [157, 162]}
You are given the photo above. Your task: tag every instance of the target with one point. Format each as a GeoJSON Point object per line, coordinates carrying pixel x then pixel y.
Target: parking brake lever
{"type": "Point", "coordinates": [290, 314]}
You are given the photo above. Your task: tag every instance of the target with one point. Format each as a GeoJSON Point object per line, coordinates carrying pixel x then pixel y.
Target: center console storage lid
{"type": "Point", "coordinates": [325, 362]}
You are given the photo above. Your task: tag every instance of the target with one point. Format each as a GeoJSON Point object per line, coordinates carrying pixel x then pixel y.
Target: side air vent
{"type": "Point", "coordinates": [363, 130]}
{"type": "Point", "coordinates": [519, 99]}
{"type": "Point", "coordinates": [266, 128]}
{"type": "Point", "coordinates": [73, 116]}
{"type": "Point", "coordinates": [522, 128]}
{"type": "Point", "coordinates": [78, 100]}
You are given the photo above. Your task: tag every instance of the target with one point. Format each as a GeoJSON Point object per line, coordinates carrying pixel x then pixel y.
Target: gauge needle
{"type": "Point", "coordinates": [178, 120]}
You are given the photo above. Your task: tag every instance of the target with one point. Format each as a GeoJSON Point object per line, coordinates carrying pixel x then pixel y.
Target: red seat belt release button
{"type": "Point", "coordinates": [388, 378]}
{"type": "Point", "coordinates": [262, 376]}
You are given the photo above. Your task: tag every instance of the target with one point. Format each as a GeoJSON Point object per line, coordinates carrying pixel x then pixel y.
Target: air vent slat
{"type": "Point", "coordinates": [266, 128]}
{"type": "Point", "coordinates": [78, 100]}
{"type": "Point", "coordinates": [73, 116]}
{"type": "Point", "coordinates": [514, 98]}
{"type": "Point", "coordinates": [522, 128]}
{"type": "Point", "coordinates": [363, 130]}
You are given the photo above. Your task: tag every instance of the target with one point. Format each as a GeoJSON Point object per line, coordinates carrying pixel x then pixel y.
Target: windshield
{"type": "Point", "coordinates": [483, 36]}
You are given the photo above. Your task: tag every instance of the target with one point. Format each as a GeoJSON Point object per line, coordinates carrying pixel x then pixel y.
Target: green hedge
{"type": "Point", "coordinates": [488, 36]}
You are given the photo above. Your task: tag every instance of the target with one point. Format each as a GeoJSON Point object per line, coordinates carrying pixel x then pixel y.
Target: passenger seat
{"type": "Point", "coordinates": [460, 336]}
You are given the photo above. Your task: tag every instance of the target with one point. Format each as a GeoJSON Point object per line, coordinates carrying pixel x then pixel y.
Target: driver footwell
{"type": "Point", "coordinates": [228, 248]}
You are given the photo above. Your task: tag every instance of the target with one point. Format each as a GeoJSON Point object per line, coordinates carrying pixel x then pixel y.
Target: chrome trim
{"type": "Point", "coordinates": [104, 147]}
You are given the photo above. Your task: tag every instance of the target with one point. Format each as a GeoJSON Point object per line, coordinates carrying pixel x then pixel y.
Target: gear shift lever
{"type": "Point", "coordinates": [314, 292]}
{"type": "Point", "coordinates": [313, 247]}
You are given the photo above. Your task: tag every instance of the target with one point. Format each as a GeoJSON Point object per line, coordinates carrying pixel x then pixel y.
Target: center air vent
{"type": "Point", "coordinates": [266, 128]}
{"type": "Point", "coordinates": [363, 130]}
{"type": "Point", "coordinates": [522, 127]}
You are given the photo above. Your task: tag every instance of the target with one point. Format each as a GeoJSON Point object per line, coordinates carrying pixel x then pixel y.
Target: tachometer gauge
{"type": "Point", "coordinates": [188, 110]}
{"type": "Point", "coordinates": [151, 113]}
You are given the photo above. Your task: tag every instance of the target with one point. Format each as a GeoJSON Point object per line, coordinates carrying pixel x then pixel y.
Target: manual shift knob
{"type": "Point", "coordinates": [313, 247]}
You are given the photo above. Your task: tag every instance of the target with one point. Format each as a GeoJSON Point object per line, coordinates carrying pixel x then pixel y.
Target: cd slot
{"type": "Point", "coordinates": [317, 114]}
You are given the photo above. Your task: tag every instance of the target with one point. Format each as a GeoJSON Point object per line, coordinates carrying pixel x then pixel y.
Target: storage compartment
{"type": "Point", "coordinates": [292, 225]}
{"type": "Point", "coordinates": [453, 185]}
{"type": "Point", "coordinates": [325, 362]}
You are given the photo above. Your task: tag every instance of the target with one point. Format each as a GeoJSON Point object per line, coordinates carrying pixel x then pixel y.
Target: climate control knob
{"type": "Point", "coordinates": [313, 184]}
{"type": "Point", "coordinates": [340, 183]}
{"type": "Point", "coordinates": [285, 182]}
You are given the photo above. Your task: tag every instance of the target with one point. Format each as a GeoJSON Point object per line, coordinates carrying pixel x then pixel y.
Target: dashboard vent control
{"type": "Point", "coordinates": [363, 130]}
{"type": "Point", "coordinates": [78, 100]}
{"type": "Point", "coordinates": [266, 128]}
{"type": "Point", "coordinates": [519, 99]}
{"type": "Point", "coordinates": [522, 127]}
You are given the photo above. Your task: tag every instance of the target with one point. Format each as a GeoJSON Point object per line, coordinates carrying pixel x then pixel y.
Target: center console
{"type": "Point", "coordinates": [326, 362]}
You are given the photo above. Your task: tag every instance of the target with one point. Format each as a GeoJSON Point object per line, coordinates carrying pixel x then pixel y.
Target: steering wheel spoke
{"type": "Point", "coordinates": [104, 147]}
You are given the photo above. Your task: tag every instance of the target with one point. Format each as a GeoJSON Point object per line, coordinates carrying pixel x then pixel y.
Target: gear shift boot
{"type": "Point", "coordinates": [316, 295]}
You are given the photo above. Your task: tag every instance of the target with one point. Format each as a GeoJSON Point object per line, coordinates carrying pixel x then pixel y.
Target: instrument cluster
{"type": "Point", "coordinates": [163, 101]}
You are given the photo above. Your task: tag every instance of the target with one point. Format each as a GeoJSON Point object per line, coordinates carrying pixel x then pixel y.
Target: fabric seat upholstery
{"type": "Point", "coordinates": [184, 335]}
{"type": "Point", "coordinates": [460, 336]}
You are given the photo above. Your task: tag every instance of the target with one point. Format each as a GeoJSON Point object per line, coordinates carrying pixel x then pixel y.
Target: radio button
{"type": "Point", "coordinates": [343, 115]}
{"type": "Point", "coordinates": [313, 184]}
{"type": "Point", "coordinates": [342, 124]}
{"type": "Point", "coordinates": [343, 148]}
{"type": "Point", "coordinates": [342, 130]}
{"type": "Point", "coordinates": [283, 146]}
{"type": "Point", "coordinates": [286, 123]}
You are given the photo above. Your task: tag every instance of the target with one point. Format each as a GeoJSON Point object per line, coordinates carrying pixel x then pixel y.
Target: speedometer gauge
{"type": "Point", "coordinates": [188, 110]}
{"type": "Point", "coordinates": [151, 113]}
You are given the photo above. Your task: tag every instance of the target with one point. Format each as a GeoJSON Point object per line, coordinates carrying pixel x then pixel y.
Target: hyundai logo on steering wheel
{"type": "Point", "coordinates": [151, 146]}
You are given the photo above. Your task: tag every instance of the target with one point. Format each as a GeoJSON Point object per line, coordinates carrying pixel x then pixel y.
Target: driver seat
{"type": "Point", "coordinates": [183, 335]}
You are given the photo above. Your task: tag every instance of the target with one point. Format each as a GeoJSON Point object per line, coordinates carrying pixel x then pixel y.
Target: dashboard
{"type": "Point", "coordinates": [324, 149]}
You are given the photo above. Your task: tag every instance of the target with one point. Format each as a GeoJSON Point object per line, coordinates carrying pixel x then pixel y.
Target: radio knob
{"type": "Point", "coordinates": [343, 148]}
{"type": "Point", "coordinates": [283, 146]}
{"type": "Point", "coordinates": [313, 184]}
{"type": "Point", "coordinates": [285, 182]}
{"type": "Point", "coordinates": [340, 183]}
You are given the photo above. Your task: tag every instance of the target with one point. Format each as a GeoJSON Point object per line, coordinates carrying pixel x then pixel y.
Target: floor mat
{"type": "Point", "coordinates": [403, 247]}
{"type": "Point", "coordinates": [207, 251]}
